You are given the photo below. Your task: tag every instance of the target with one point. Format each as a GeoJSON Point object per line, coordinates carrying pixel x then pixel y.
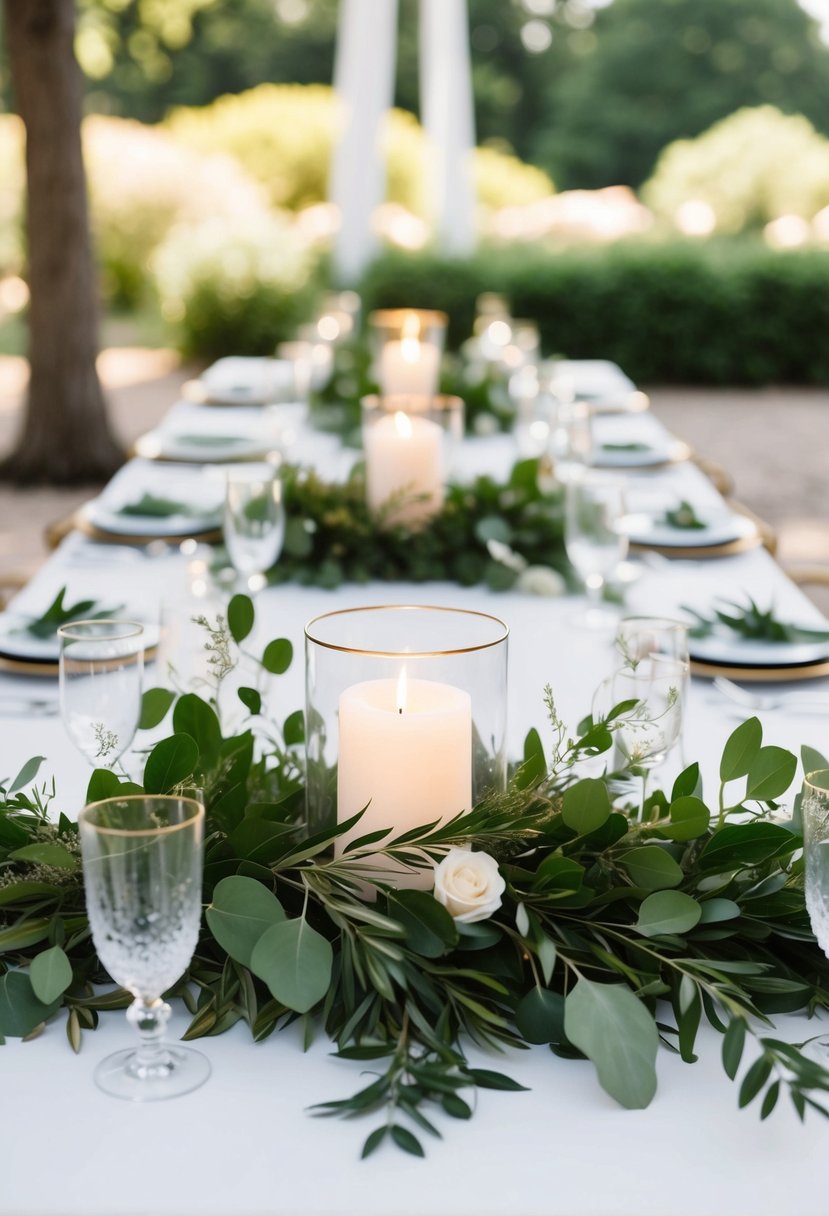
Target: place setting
{"type": "Point", "coordinates": [147, 501]}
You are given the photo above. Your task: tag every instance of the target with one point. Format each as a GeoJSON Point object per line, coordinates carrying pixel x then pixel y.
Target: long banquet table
{"type": "Point", "coordinates": [244, 1144]}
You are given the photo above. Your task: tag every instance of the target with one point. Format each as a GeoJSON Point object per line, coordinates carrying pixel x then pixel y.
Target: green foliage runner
{"type": "Point", "coordinates": [487, 532]}
{"type": "Point", "coordinates": [613, 934]}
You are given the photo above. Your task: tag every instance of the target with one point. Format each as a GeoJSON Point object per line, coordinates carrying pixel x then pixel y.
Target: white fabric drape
{"type": "Point", "coordinates": [448, 117]}
{"type": "Point", "coordinates": [364, 82]}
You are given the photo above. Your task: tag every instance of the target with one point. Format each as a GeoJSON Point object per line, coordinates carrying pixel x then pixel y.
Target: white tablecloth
{"type": "Point", "coordinates": [244, 1145]}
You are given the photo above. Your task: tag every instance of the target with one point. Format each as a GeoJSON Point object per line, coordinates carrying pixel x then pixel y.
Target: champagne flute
{"type": "Point", "coordinates": [100, 675]}
{"type": "Point", "coordinates": [142, 863]}
{"type": "Point", "coordinates": [254, 522]}
{"type": "Point", "coordinates": [595, 541]}
{"type": "Point", "coordinates": [571, 439]}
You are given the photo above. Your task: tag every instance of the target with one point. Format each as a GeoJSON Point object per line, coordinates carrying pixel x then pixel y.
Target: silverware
{"type": "Point", "coordinates": [10, 706]}
{"type": "Point", "coordinates": [793, 701]}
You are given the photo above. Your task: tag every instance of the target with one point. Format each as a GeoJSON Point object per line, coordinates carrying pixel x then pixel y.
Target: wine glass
{"type": "Point", "coordinates": [646, 732]}
{"type": "Point", "coordinates": [254, 523]}
{"type": "Point", "coordinates": [814, 808]}
{"type": "Point", "coordinates": [595, 541]}
{"type": "Point", "coordinates": [100, 674]}
{"type": "Point", "coordinates": [142, 864]}
{"type": "Point", "coordinates": [658, 637]}
{"type": "Point", "coordinates": [571, 442]}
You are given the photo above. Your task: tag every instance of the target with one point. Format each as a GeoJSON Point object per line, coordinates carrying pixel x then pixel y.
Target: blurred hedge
{"type": "Point", "coordinates": [727, 312]}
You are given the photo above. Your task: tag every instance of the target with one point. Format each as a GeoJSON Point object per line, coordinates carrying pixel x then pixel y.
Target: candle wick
{"type": "Point", "coordinates": [400, 709]}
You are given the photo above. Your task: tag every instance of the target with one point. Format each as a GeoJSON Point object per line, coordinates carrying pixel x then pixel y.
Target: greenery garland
{"type": "Point", "coordinates": [487, 532]}
{"type": "Point", "coordinates": [484, 389]}
{"type": "Point", "coordinates": [611, 933]}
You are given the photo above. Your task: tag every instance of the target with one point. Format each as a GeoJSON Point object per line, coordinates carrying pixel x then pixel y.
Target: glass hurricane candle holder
{"type": "Point", "coordinates": [406, 346]}
{"type": "Point", "coordinates": [410, 443]}
{"type": "Point", "coordinates": [405, 719]}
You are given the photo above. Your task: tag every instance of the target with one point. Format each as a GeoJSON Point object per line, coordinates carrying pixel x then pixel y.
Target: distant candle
{"type": "Point", "coordinates": [409, 365]}
{"type": "Point", "coordinates": [405, 748]}
{"type": "Point", "coordinates": [404, 461]}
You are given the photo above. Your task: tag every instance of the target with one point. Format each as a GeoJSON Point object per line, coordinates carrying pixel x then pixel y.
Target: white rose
{"type": "Point", "coordinates": [540, 580]}
{"type": "Point", "coordinates": [469, 885]}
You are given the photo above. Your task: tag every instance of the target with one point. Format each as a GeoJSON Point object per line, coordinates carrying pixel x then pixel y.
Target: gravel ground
{"type": "Point", "coordinates": [774, 442]}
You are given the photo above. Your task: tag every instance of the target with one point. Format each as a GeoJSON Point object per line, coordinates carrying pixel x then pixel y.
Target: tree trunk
{"type": "Point", "coordinates": [66, 437]}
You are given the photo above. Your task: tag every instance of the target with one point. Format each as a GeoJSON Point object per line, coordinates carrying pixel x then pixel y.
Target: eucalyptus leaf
{"type": "Point", "coordinates": [293, 729]}
{"type": "Point", "coordinates": [295, 962]}
{"type": "Point", "coordinates": [170, 762]}
{"type": "Point", "coordinates": [20, 1009]}
{"type": "Point", "coordinates": [614, 1030]}
{"type": "Point", "coordinates": [770, 774]}
{"type": "Point", "coordinates": [667, 912]}
{"type": "Point", "coordinates": [586, 805]}
{"type": "Point", "coordinates": [652, 868]}
{"type": "Point", "coordinates": [27, 774]}
{"type": "Point", "coordinates": [740, 750]}
{"type": "Point", "coordinates": [690, 819]}
{"type": "Point", "coordinates": [277, 656]}
{"type": "Point", "coordinates": [51, 974]}
{"type": "Point", "coordinates": [240, 617]}
{"type": "Point", "coordinates": [539, 1016]}
{"type": "Point", "coordinates": [240, 912]}
{"type": "Point", "coordinates": [154, 706]}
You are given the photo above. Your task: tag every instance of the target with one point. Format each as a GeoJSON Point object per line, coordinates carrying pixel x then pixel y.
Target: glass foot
{"type": "Point", "coordinates": [596, 619]}
{"type": "Point", "coordinates": [178, 1070]}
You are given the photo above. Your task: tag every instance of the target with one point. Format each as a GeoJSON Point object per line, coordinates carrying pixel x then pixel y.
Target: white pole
{"type": "Point", "coordinates": [364, 82]}
{"type": "Point", "coordinates": [448, 117]}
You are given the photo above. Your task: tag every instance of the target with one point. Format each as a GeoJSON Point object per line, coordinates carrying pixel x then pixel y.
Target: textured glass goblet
{"type": "Point", "coordinates": [814, 808]}
{"type": "Point", "coordinates": [142, 863]}
{"type": "Point", "coordinates": [101, 670]}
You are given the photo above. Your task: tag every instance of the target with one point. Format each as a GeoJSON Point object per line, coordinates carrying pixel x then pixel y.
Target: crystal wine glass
{"type": "Point", "coordinates": [571, 439]}
{"type": "Point", "coordinates": [814, 808]}
{"type": "Point", "coordinates": [652, 726]}
{"type": "Point", "coordinates": [254, 524]}
{"type": "Point", "coordinates": [101, 670]}
{"type": "Point", "coordinates": [595, 541]}
{"type": "Point", "coordinates": [142, 863]}
{"type": "Point", "coordinates": [655, 637]}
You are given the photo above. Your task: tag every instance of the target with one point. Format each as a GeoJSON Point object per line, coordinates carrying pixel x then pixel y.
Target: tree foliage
{"type": "Point", "coordinates": [660, 70]}
{"type": "Point", "coordinates": [750, 168]}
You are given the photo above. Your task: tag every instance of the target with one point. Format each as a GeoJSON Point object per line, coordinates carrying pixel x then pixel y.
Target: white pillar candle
{"type": "Point", "coordinates": [404, 461]}
{"type": "Point", "coordinates": [408, 365]}
{"type": "Point", "coordinates": [405, 749]}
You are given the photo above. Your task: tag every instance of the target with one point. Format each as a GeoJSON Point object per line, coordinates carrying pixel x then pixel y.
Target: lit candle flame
{"type": "Point", "coordinates": [410, 339]}
{"type": "Point", "coordinates": [401, 690]}
{"type": "Point", "coordinates": [403, 424]}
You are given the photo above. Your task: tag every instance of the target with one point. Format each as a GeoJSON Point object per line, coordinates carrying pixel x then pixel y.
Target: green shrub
{"type": "Point", "coordinates": [728, 312]}
{"type": "Point", "coordinates": [284, 137]}
{"type": "Point", "coordinates": [141, 184]}
{"type": "Point", "coordinates": [235, 289]}
{"type": "Point", "coordinates": [750, 168]}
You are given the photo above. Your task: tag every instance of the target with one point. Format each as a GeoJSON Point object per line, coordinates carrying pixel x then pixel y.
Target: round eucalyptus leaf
{"type": "Point", "coordinates": [51, 974]}
{"type": "Point", "coordinates": [295, 962]}
{"type": "Point", "coordinates": [614, 1030]}
{"type": "Point", "coordinates": [667, 912]}
{"type": "Point", "coordinates": [241, 911]}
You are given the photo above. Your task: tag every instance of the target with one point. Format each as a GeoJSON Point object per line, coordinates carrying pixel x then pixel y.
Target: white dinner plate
{"type": "Point", "coordinates": [238, 380]}
{"type": "Point", "coordinates": [16, 643]}
{"type": "Point", "coordinates": [720, 529]}
{"type": "Point", "coordinates": [650, 455]}
{"type": "Point", "coordinates": [97, 514]}
{"type": "Point", "coordinates": [723, 646]}
{"type": "Point", "coordinates": [211, 447]}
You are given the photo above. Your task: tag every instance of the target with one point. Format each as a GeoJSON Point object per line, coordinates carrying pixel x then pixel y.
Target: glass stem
{"type": "Point", "coordinates": [645, 772]}
{"type": "Point", "coordinates": [150, 1020]}
{"type": "Point", "coordinates": [594, 585]}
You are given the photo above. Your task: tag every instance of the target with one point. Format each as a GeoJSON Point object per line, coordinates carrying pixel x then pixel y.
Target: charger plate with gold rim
{"type": "Point", "coordinates": [770, 675]}
{"type": "Point", "coordinates": [82, 524]}
{"type": "Point", "coordinates": [46, 667]}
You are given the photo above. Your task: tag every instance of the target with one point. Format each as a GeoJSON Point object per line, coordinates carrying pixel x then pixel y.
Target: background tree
{"type": "Point", "coordinates": [653, 71]}
{"type": "Point", "coordinates": [65, 436]}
